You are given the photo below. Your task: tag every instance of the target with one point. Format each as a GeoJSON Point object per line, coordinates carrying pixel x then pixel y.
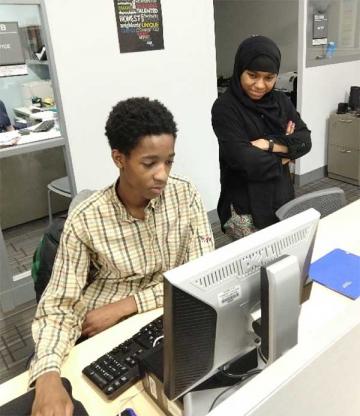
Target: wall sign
{"type": "Point", "coordinates": [320, 29]}
{"type": "Point", "coordinates": [12, 58]}
{"type": "Point", "coordinates": [139, 24]}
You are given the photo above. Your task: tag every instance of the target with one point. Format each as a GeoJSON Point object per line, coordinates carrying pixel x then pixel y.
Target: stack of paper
{"type": "Point", "coordinates": [9, 138]}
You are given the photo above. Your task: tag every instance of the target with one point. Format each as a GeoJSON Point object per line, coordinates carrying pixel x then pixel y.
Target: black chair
{"type": "Point", "coordinates": [44, 256]}
{"type": "Point", "coordinates": [325, 201]}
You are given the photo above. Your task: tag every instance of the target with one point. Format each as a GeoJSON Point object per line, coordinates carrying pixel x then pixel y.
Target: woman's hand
{"type": "Point", "coordinates": [261, 143]}
{"type": "Point", "coordinates": [290, 128]}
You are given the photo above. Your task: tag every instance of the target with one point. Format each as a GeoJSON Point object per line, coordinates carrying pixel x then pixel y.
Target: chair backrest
{"type": "Point", "coordinates": [44, 256]}
{"type": "Point", "coordinates": [81, 196]}
{"type": "Point", "coordinates": [325, 201]}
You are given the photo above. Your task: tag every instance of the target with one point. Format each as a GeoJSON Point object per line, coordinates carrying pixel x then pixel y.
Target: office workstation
{"type": "Point", "coordinates": [326, 319]}
{"type": "Point", "coordinates": [100, 78]}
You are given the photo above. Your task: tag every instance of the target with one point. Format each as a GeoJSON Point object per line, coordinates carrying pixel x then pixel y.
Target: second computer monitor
{"type": "Point", "coordinates": [208, 302]}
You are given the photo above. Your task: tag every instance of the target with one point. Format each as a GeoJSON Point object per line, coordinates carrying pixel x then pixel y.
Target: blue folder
{"type": "Point", "coordinates": [338, 270]}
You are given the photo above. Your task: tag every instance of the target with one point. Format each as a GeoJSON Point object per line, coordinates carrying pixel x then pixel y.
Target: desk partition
{"type": "Point", "coordinates": [18, 289]}
{"type": "Point", "coordinates": [40, 80]}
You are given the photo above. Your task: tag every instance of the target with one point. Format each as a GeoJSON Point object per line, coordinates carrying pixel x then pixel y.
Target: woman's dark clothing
{"type": "Point", "coordinates": [4, 118]}
{"type": "Point", "coordinates": [252, 180]}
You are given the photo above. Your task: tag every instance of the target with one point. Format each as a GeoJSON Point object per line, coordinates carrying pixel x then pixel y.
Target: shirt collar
{"type": "Point", "coordinates": [124, 214]}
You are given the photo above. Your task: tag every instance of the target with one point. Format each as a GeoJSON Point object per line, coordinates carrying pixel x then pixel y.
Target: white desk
{"type": "Point", "coordinates": [80, 357]}
{"type": "Point", "coordinates": [321, 375]}
{"type": "Point", "coordinates": [341, 229]}
{"type": "Point", "coordinates": [33, 142]}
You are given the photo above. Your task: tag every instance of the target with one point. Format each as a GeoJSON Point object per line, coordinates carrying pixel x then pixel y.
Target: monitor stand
{"type": "Point", "coordinates": [280, 308]}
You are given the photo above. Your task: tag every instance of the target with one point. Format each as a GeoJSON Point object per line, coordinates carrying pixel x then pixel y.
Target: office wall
{"type": "Point", "coordinates": [237, 19]}
{"type": "Point", "coordinates": [93, 76]}
{"type": "Point", "coordinates": [320, 89]}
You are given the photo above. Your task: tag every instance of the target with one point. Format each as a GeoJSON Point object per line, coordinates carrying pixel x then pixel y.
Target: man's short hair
{"type": "Point", "coordinates": [132, 119]}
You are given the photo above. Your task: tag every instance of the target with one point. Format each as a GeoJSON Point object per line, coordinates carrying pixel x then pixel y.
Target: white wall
{"type": "Point", "coordinates": [235, 20]}
{"type": "Point", "coordinates": [320, 89]}
{"type": "Point", "coordinates": [93, 76]}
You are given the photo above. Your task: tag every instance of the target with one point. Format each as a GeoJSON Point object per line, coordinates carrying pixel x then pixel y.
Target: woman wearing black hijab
{"type": "Point", "coordinates": [259, 132]}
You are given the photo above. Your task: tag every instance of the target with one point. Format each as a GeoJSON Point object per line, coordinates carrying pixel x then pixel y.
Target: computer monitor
{"type": "Point", "coordinates": [208, 302]}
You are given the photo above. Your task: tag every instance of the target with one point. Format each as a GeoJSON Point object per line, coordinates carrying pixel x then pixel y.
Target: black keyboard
{"type": "Point", "coordinates": [116, 371]}
{"type": "Point", "coordinates": [45, 125]}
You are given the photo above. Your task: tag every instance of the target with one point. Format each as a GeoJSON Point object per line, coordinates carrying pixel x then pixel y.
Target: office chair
{"type": "Point", "coordinates": [59, 186]}
{"type": "Point", "coordinates": [325, 201]}
{"type": "Point", "coordinates": [44, 256]}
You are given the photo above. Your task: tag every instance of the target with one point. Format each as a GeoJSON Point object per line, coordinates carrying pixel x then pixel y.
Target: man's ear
{"type": "Point", "coordinates": [118, 158]}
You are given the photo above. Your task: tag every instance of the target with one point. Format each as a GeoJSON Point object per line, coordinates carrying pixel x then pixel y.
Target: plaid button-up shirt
{"type": "Point", "coordinates": [125, 256]}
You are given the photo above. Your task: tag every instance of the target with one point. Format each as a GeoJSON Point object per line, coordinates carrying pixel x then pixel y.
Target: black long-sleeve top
{"type": "Point", "coordinates": [4, 118]}
{"type": "Point", "coordinates": [252, 180]}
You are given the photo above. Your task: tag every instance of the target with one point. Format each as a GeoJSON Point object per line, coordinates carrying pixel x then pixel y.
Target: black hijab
{"type": "Point", "coordinates": [257, 53]}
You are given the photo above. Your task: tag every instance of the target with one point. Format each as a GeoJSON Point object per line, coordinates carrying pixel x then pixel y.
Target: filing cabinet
{"type": "Point", "coordinates": [344, 148]}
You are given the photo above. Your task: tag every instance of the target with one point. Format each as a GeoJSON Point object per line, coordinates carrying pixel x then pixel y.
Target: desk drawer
{"type": "Point", "coordinates": [344, 162]}
{"type": "Point", "coordinates": [344, 130]}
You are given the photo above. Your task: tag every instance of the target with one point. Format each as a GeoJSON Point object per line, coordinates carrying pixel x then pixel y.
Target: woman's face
{"type": "Point", "coordinates": [257, 83]}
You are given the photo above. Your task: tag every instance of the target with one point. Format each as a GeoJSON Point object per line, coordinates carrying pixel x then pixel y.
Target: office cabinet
{"type": "Point", "coordinates": [23, 186]}
{"type": "Point", "coordinates": [344, 148]}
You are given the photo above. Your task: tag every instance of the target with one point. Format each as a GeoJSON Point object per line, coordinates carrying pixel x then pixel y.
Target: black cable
{"type": "Point", "coordinates": [246, 375]}
{"type": "Point", "coordinates": [243, 378]}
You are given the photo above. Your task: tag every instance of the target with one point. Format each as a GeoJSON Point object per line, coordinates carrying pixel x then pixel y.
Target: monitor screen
{"type": "Point", "coordinates": [208, 303]}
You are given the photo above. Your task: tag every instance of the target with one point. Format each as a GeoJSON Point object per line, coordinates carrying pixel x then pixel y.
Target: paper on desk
{"type": "Point", "coordinates": [9, 138]}
{"type": "Point", "coordinates": [338, 270]}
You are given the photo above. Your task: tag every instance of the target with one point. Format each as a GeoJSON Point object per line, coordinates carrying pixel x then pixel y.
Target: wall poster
{"type": "Point", "coordinates": [139, 24]}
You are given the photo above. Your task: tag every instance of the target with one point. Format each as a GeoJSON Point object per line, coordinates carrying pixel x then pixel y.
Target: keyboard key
{"type": "Point", "coordinates": [143, 340]}
{"type": "Point", "coordinates": [97, 379]}
{"type": "Point", "coordinates": [109, 389]}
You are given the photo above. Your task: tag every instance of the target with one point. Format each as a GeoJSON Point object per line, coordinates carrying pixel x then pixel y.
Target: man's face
{"type": "Point", "coordinates": [257, 83]}
{"type": "Point", "coordinates": [145, 171]}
